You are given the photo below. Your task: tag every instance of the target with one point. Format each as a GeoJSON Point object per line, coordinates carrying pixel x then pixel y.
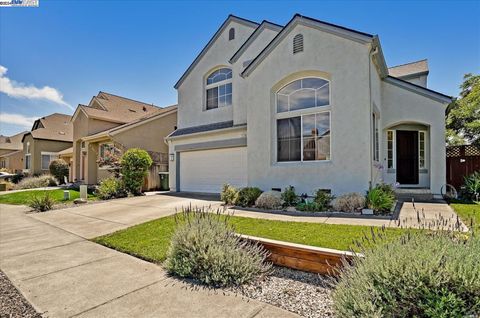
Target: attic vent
{"type": "Point", "coordinates": [231, 34]}
{"type": "Point", "coordinates": [144, 108]}
{"type": "Point", "coordinates": [298, 43]}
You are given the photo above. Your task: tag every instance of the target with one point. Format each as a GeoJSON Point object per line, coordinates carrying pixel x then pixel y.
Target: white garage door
{"type": "Point", "coordinates": [207, 170]}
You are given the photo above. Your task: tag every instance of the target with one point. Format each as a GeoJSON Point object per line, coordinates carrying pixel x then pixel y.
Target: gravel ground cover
{"type": "Point", "coordinates": [12, 302]}
{"type": "Point", "coordinates": [303, 293]}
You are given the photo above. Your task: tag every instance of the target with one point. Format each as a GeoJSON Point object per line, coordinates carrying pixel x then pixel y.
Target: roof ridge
{"type": "Point", "coordinates": [409, 63]}
{"type": "Point", "coordinates": [133, 100]}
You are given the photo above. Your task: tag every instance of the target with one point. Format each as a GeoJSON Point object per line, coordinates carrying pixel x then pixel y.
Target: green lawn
{"type": "Point", "coordinates": [151, 240]}
{"type": "Point", "coordinates": [25, 196]}
{"type": "Point", "coordinates": [468, 211]}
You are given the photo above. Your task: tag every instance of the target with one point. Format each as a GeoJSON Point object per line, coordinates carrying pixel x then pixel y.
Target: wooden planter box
{"type": "Point", "coordinates": [303, 257]}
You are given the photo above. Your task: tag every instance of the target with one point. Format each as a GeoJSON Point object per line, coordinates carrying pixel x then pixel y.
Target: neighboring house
{"type": "Point", "coordinates": [114, 121]}
{"type": "Point", "coordinates": [49, 135]}
{"type": "Point", "coordinates": [308, 104]}
{"type": "Point", "coordinates": [11, 154]}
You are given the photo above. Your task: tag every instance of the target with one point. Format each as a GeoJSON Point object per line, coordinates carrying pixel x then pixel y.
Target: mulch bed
{"type": "Point", "coordinates": [12, 302]}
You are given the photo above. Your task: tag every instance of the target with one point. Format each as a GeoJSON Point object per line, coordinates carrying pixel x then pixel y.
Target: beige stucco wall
{"type": "Point", "coordinates": [401, 106]}
{"type": "Point", "coordinates": [82, 127]}
{"type": "Point", "coordinates": [191, 93]}
{"type": "Point", "coordinates": [13, 162]}
{"type": "Point", "coordinates": [345, 64]}
{"type": "Point", "coordinates": [37, 146]}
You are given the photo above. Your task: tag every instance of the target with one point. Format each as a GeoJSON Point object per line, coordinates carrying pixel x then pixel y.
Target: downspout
{"type": "Point", "coordinates": [373, 51]}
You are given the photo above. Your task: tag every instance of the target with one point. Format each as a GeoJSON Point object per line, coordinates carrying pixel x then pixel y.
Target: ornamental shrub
{"type": "Point", "coordinates": [380, 200]}
{"type": "Point", "coordinates": [205, 247]}
{"type": "Point", "coordinates": [41, 181]}
{"type": "Point", "coordinates": [18, 177]}
{"type": "Point", "coordinates": [41, 203]}
{"type": "Point", "coordinates": [229, 194]}
{"type": "Point", "coordinates": [472, 186]}
{"type": "Point", "coordinates": [269, 200]}
{"type": "Point", "coordinates": [323, 199]}
{"type": "Point", "coordinates": [247, 196]}
{"type": "Point", "coordinates": [289, 196]}
{"type": "Point", "coordinates": [349, 202]}
{"type": "Point", "coordinates": [59, 169]}
{"type": "Point", "coordinates": [134, 167]}
{"type": "Point", "coordinates": [421, 274]}
{"type": "Point", "coordinates": [309, 207]}
{"type": "Point", "coordinates": [111, 188]}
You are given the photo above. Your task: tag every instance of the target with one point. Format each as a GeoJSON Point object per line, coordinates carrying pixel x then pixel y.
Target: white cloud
{"type": "Point", "coordinates": [17, 119]}
{"type": "Point", "coordinates": [19, 90]}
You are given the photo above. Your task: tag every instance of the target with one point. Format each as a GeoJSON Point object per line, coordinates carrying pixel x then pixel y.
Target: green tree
{"type": "Point", "coordinates": [134, 166]}
{"type": "Point", "coordinates": [463, 114]}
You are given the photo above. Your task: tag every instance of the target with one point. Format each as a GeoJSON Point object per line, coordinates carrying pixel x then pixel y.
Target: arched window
{"type": "Point", "coordinates": [303, 134]}
{"type": "Point", "coordinates": [298, 43]}
{"type": "Point", "coordinates": [231, 34]}
{"type": "Point", "coordinates": [219, 88]}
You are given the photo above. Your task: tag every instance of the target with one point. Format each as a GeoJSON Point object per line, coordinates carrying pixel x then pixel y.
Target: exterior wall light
{"type": "Point", "coordinates": [172, 157]}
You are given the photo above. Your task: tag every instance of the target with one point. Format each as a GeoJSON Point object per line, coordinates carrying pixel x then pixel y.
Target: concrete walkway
{"type": "Point", "coordinates": [64, 275]}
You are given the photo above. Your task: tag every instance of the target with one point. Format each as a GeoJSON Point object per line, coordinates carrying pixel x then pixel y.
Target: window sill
{"type": "Point", "coordinates": [220, 107]}
{"type": "Point", "coordinates": [301, 163]}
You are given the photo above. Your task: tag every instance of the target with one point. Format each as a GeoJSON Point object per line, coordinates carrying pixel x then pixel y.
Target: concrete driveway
{"type": "Point", "coordinates": [48, 258]}
{"type": "Point", "coordinates": [101, 218]}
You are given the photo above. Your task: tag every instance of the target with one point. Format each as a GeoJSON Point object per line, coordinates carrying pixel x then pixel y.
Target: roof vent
{"type": "Point", "coordinates": [144, 108]}
{"type": "Point", "coordinates": [298, 43]}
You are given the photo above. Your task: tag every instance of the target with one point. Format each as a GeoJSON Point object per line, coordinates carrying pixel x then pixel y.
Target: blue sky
{"type": "Point", "coordinates": [139, 49]}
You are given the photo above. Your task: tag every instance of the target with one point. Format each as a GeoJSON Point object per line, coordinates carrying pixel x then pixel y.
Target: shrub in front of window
{"type": "Point", "coordinates": [134, 168]}
{"type": "Point", "coordinates": [269, 200]}
{"type": "Point", "coordinates": [247, 196]}
{"type": "Point", "coordinates": [380, 200]}
{"type": "Point", "coordinates": [205, 247]}
{"type": "Point", "coordinates": [18, 177]}
{"type": "Point", "coordinates": [41, 203]}
{"type": "Point", "coordinates": [59, 169]}
{"type": "Point", "coordinates": [349, 202]}
{"type": "Point", "coordinates": [41, 181]}
{"type": "Point", "coordinates": [229, 194]}
{"type": "Point", "coordinates": [323, 199]}
{"type": "Point", "coordinates": [421, 274]}
{"type": "Point", "coordinates": [289, 197]}
{"type": "Point", "coordinates": [111, 188]}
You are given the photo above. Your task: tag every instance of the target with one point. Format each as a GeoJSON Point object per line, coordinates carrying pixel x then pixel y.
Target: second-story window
{"type": "Point", "coordinates": [219, 89]}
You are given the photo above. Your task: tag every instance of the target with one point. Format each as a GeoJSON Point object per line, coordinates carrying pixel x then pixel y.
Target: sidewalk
{"type": "Point", "coordinates": [64, 275]}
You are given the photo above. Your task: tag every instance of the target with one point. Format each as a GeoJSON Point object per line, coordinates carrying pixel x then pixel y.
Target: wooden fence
{"type": "Point", "coordinates": [303, 257]}
{"type": "Point", "coordinates": [461, 161]}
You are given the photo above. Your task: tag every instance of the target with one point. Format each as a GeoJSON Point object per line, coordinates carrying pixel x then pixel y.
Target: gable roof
{"type": "Point", "coordinates": [409, 69]}
{"type": "Point", "coordinates": [140, 121]}
{"type": "Point", "coordinates": [264, 25]}
{"type": "Point", "coordinates": [439, 97]}
{"type": "Point", "coordinates": [12, 142]}
{"type": "Point", "coordinates": [209, 44]}
{"type": "Point", "coordinates": [52, 127]}
{"type": "Point", "coordinates": [117, 109]}
{"type": "Point", "coordinates": [354, 35]}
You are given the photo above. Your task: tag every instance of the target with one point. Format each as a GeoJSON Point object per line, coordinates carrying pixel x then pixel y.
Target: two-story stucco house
{"type": "Point", "coordinates": [308, 104]}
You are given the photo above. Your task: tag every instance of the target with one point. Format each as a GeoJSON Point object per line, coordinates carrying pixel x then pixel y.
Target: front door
{"type": "Point", "coordinates": [407, 157]}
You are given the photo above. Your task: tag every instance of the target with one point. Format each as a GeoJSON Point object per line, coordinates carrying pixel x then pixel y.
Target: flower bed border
{"type": "Point", "coordinates": [307, 258]}
{"type": "Point", "coordinates": [353, 215]}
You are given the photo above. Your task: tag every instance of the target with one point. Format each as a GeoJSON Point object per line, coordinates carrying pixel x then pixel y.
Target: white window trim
{"type": "Point", "coordinates": [394, 149]}
{"type": "Point", "coordinates": [216, 84]}
{"type": "Point", "coordinates": [300, 113]}
{"type": "Point", "coordinates": [425, 166]}
{"type": "Point", "coordinates": [376, 138]}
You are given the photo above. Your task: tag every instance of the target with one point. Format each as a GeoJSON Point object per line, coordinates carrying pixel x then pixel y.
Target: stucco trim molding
{"type": "Point", "coordinates": [216, 144]}
{"type": "Point", "coordinates": [436, 96]}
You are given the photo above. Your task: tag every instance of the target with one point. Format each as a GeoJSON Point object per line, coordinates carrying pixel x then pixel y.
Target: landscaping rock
{"type": "Point", "coordinates": [306, 294]}
{"type": "Point", "coordinates": [79, 201]}
{"type": "Point", "coordinates": [12, 303]}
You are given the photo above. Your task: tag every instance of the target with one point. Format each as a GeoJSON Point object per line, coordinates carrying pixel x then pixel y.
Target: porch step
{"type": "Point", "coordinates": [418, 195]}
